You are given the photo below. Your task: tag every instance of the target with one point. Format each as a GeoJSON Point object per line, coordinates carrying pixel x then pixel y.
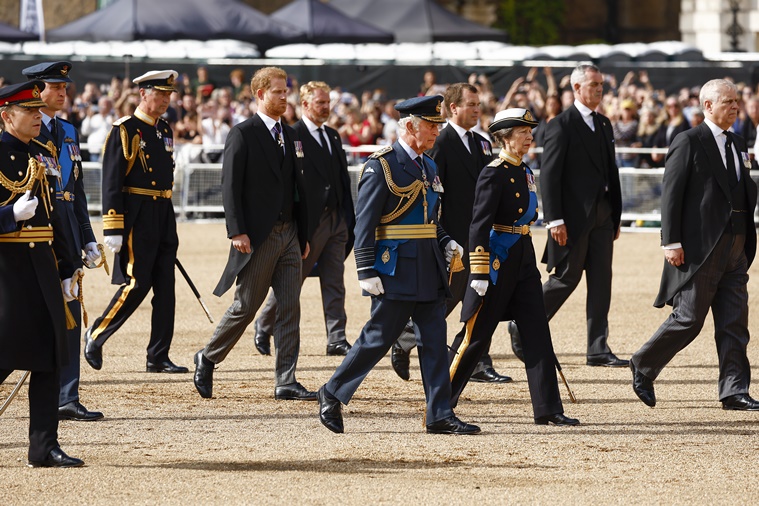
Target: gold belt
{"type": "Point", "coordinates": [164, 194]}
{"type": "Point", "coordinates": [517, 229]}
{"type": "Point", "coordinates": [428, 231]}
{"type": "Point", "coordinates": [67, 196]}
{"type": "Point", "coordinates": [29, 234]}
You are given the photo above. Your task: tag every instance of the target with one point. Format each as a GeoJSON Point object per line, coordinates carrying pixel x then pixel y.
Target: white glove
{"type": "Point", "coordinates": [372, 285]}
{"type": "Point", "coordinates": [480, 286]}
{"type": "Point", "coordinates": [70, 290]}
{"type": "Point", "coordinates": [91, 254]}
{"type": "Point", "coordinates": [113, 242]}
{"type": "Point", "coordinates": [24, 207]}
{"type": "Point", "coordinates": [452, 247]}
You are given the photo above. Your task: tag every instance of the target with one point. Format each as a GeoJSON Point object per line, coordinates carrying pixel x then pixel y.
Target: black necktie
{"type": "Point", "coordinates": [54, 129]}
{"type": "Point", "coordinates": [596, 122]}
{"type": "Point", "coordinates": [323, 139]}
{"type": "Point", "coordinates": [732, 176]}
{"type": "Point", "coordinates": [472, 143]}
{"type": "Point", "coordinates": [277, 131]}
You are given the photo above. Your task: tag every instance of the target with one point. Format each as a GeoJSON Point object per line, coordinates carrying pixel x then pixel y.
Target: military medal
{"type": "Point", "coordinates": [158, 134]}
{"type": "Point", "coordinates": [386, 256]}
{"type": "Point", "coordinates": [298, 149]}
{"type": "Point", "coordinates": [531, 182]}
{"type": "Point", "coordinates": [746, 160]}
{"type": "Point", "coordinates": [76, 172]}
{"type": "Point", "coordinates": [486, 148]}
{"type": "Point", "coordinates": [168, 144]}
{"type": "Point", "coordinates": [437, 185]}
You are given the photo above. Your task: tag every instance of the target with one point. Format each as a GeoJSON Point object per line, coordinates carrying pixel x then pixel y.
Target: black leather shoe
{"type": "Point", "coordinates": [516, 340]}
{"type": "Point", "coordinates": [399, 358]}
{"type": "Point", "coordinates": [75, 411]}
{"type": "Point", "coordinates": [339, 348]}
{"type": "Point", "coordinates": [643, 387]}
{"type": "Point", "coordinates": [93, 353]}
{"type": "Point", "coordinates": [452, 425]}
{"type": "Point", "coordinates": [330, 411]}
{"type": "Point", "coordinates": [293, 392]}
{"type": "Point", "coordinates": [203, 377]}
{"type": "Point", "coordinates": [606, 360]}
{"type": "Point", "coordinates": [57, 458]}
{"type": "Point", "coordinates": [557, 419]}
{"type": "Point", "coordinates": [262, 342]}
{"type": "Point", "coordinates": [165, 366]}
{"type": "Point", "coordinates": [489, 375]}
{"type": "Point", "coordinates": [740, 402]}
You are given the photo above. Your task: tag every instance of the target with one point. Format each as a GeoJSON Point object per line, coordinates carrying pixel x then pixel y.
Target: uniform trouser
{"type": "Point", "coordinates": [720, 285]}
{"type": "Point", "coordinates": [276, 263]}
{"type": "Point", "coordinates": [43, 412]}
{"type": "Point", "coordinates": [591, 252]}
{"type": "Point", "coordinates": [386, 321]}
{"type": "Point", "coordinates": [516, 295]}
{"type": "Point", "coordinates": [70, 372]}
{"type": "Point", "coordinates": [328, 249]}
{"type": "Point", "coordinates": [151, 249]}
{"type": "Point", "coordinates": [458, 286]}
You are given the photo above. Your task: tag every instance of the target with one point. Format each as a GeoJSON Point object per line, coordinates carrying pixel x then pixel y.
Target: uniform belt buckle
{"type": "Point", "coordinates": [67, 196]}
{"type": "Point", "coordinates": [166, 194]}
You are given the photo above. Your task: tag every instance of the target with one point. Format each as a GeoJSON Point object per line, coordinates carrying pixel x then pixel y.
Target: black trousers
{"type": "Point", "coordinates": [43, 412]}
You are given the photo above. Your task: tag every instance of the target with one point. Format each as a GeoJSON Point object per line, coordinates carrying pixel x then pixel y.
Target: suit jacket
{"type": "Point", "coordinates": [316, 167]}
{"type": "Point", "coordinates": [458, 170]}
{"type": "Point", "coordinates": [418, 265]}
{"type": "Point", "coordinates": [696, 205]}
{"type": "Point", "coordinates": [252, 189]}
{"type": "Point", "coordinates": [572, 177]}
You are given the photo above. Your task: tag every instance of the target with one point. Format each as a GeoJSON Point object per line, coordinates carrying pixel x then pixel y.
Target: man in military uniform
{"type": "Point", "coordinates": [139, 224]}
{"type": "Point", "coordinates": [401, 253]}
{"type": "Point", "coordinates": [32, 295]}
{"type": "Point", "coordinates": [58, 138]}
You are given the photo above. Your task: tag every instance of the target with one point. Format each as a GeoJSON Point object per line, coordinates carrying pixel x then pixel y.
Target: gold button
{"type": "Point", "coordinates": [29, 227]}
{"type": "Point", "coordinates": [152, 183]}
{"type": "Point", "coordinates": [519, 210]}
{"type": "Point", "coordinates": [13, 157]}
{"type": "Point", "coordinates": [20, 173]}
{"type": "Point", "coordinates": [516, 194]}
{"type": "Point", "coordinates": [50, 242]}
{"type": "Point", "coordinates": [31, 244]}
{"type": "Point", "coordinates": [138, 130]}
{"type": "Point", "coordinates": [512, 179]}
{"type": "Point", "coordinates": [147, 157]}
{"type": "Point", "coordinates": [150, 169]}
{"type": "Point", "coordinates": [537, 209]}
{"type": "Point", "coordinates": [49, 225]}
{"type": "Point", "coordinates": [155, 198]}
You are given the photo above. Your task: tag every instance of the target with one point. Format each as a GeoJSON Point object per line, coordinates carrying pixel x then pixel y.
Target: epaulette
{"type": "Point", "coordinates": [497, 162]}
{"type": "Point", "coordinates": [381, 152]}
{"type": "Point", "coordinates": [121, 120]}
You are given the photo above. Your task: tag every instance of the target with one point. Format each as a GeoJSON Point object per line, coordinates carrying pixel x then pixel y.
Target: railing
{"type": "Point", "coordinates": [197, 185]}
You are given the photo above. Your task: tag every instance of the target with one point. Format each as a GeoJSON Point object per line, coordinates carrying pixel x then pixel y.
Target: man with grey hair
{"type": "Point", "coordinates": [709, 239]}
{"type": "Point", "coordinates": [582, 206]}
{"type": "Point", "coordinates": [401, 255]}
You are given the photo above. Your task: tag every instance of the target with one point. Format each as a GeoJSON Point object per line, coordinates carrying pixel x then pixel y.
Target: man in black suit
{"type": "Point", "coordinates": [331, 216]}
{"type": "Point", "coordinates": [460, 155]}
{"type": "Point", "coordinates": [582, 206]}
{"type": "Point", "coordinates": [709, 240]}
{"type": "Point", "coordinates": [264, 195]}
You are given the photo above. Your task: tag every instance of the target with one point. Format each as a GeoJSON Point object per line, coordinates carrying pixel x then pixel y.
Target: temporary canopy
{"type": "Point", "coordinates": [179, 19]}
{"type": "Point", "coordinates": [324, 24]}
{"type": "Point", "coordinates": [11, 34]}
{"type": "Point", "coordinates": [417, 20]}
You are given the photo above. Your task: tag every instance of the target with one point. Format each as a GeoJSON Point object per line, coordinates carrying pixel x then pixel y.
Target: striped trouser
{"type": "Point", "coordinates": [275, 263]}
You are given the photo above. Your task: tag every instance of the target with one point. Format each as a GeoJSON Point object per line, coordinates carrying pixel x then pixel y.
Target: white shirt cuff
{"type": "Point", "coordinates": [554, 223]}
{"type": "Point", "coordinates": [674, 245]}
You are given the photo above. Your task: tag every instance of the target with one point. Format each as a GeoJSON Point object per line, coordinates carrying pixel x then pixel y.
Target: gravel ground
{"type": "Point", "coordinates": [161, 443]}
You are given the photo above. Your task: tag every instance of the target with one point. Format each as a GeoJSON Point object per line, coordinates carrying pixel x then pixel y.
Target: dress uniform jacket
{"type": "Point", "coordinates": [138, 171]}
{"type": "Point", "coordinates": [70, 201]}
{"type": "Point", "coordinates": [502, 252]}
{"type": "Point", "coordinates": [31, 302]}
{"type": "Point", "coordinates": [405, 266]}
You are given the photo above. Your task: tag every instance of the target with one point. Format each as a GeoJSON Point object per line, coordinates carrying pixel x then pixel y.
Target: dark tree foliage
{"type": "Point", "coordinates": [532, 22]}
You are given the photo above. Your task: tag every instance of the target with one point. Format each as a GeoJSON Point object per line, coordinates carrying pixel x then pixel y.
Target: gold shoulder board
{"type": "Point", "coordinates": [381, 152]}
{"type": "Point", "coordinates": [120, 120]}
{"type": "Point", "coordinates": [497, 162]}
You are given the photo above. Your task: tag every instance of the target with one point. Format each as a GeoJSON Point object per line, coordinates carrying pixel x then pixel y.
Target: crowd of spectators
{"type": "Point", "coordinates": [202, 111]}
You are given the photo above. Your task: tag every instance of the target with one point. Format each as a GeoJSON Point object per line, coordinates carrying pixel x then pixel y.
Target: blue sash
{"type": "Point", "coordinates": [500, 242]}
{"type": "Point", "coordinates": [69, 153]}
{"type": "Point", "coordinates": [389, 247]}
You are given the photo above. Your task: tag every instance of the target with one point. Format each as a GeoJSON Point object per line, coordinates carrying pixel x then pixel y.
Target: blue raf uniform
{"type": "Point", "coordinates": [58, 145]}
{"type": "Point", "coordinates": [399, 240]}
